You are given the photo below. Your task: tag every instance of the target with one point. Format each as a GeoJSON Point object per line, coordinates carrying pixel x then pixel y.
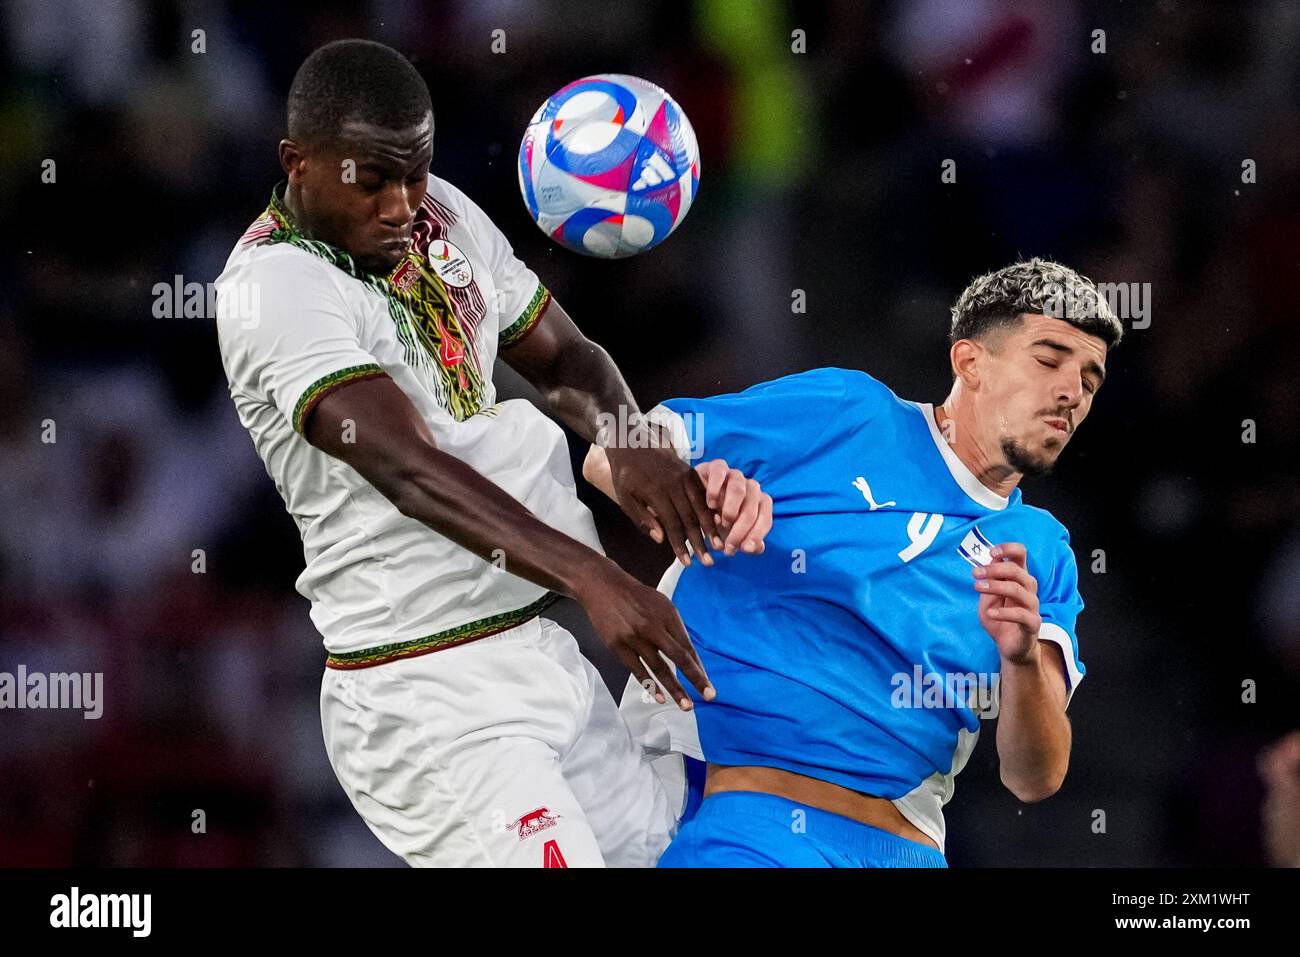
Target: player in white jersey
{"type": "Point", "coordinates": [359, 318]}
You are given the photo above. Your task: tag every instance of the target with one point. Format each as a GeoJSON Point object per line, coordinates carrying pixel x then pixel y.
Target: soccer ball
{"type": "Point", "coordinates": [609, 166]}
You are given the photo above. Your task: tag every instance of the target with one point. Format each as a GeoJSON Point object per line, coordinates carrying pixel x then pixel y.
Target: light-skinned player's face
{"type": "Point", "coordinates": [361, 190]}
{"type": "Point", "coordinates": [1037, 385]}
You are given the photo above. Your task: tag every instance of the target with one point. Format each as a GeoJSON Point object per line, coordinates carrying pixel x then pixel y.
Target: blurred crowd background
{"type": "Point", "coordinates": [821, 172]}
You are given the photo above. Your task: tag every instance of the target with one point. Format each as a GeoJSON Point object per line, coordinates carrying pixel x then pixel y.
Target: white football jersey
{"type": "Point", "coordinates": [295, 320]}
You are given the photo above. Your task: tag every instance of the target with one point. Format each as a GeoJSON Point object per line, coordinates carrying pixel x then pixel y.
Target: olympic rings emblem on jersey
{"type": "Point", "coordinates": [450, 263]}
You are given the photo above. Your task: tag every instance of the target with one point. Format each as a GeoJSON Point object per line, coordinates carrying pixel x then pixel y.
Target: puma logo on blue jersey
{"type": "Point", "coordinates": [861, 485]}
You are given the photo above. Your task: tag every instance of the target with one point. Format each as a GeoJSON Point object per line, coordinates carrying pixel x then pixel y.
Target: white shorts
{"type": "Point", "coordinates": [507, 751]}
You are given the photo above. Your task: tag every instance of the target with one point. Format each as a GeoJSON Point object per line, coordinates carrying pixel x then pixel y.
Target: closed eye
{"type": "Point", "coordinates": [1087, 383]}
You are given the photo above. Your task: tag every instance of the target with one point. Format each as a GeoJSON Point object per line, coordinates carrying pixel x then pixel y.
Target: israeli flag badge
{"type": "Point", "coordinates": [975, 548]}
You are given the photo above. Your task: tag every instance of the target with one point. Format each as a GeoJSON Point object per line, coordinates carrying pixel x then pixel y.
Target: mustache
{"type": "Point", "coordinates": [1065, 414]}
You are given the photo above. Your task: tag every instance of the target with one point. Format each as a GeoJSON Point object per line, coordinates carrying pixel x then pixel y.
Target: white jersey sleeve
{"type": "Point", "coordinates": [521, 297]}
{"type": "Point", "coordinates": [300, 342]}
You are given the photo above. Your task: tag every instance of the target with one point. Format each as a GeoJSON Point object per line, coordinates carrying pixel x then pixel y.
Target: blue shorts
{"type": "Point", "coordinates": [749, 829]}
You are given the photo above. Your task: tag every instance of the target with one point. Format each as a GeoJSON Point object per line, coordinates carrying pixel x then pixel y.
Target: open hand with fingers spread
{"type": "Point", "coordinates": [641, 626]}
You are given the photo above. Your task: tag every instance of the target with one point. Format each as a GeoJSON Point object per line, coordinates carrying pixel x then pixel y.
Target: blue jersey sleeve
{"type": "Point", "coordinates": [1059, 604]}
{"type": "Point", "coordinates": [769, 426]}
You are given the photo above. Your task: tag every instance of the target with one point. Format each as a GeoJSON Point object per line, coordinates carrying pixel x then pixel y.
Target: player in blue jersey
{"type": "Point", "coordinates": [903, 591]}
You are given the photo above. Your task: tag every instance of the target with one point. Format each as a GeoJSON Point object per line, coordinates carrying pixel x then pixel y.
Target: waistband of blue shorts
{"type": "Point", "coordinates": [864, 839]}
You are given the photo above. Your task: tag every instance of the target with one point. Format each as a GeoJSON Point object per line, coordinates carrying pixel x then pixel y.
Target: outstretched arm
{"type": "Point", "coordinates": [583, 387]}
{"type": "Point", "coordinates": [575, 376]}
{"type": "Point", "coordinates": [392, 448]}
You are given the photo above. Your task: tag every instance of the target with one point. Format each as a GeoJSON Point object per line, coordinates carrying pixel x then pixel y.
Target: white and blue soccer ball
{"type": "Point", "coordinates": [609, 166]}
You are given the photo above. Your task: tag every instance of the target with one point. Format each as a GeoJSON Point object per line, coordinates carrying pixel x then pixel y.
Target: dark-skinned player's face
{"type": "Point", "coordinates": [360, 190]}
{"type": "Point", "coordinates": [1037, 384]}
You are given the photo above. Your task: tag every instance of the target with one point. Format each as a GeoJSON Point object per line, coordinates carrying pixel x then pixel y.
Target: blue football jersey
{"type": "Point", "coordinates": [851, 649]}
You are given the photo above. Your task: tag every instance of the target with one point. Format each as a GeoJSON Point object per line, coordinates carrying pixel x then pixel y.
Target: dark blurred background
{"type": "Point", "coordinates": [820, 172]}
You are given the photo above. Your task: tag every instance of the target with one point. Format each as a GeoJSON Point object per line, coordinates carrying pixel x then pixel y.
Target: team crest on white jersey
{"type": "Point", "coordinates": [449, 263]}
{"type": "Point", "coordinates": [975, 548]}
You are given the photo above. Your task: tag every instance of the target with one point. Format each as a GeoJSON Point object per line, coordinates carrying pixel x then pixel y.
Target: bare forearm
{"type": "Point", "coordinates": [1033, 732]}
{"type": "Point", "coordinates": [584, 385]}
{"type": "Point", "coordinates": [374, 428]}
{"type": "Point", "coordinates": [576, 377]}
{"type": "Point", "coordinates": [454, 500]}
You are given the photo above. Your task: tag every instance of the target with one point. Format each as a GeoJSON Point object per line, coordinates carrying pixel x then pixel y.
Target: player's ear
{"type": "Point", "coordinates": [965, 356]}
{"type": "Point", "coordinates": [292, 156]}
